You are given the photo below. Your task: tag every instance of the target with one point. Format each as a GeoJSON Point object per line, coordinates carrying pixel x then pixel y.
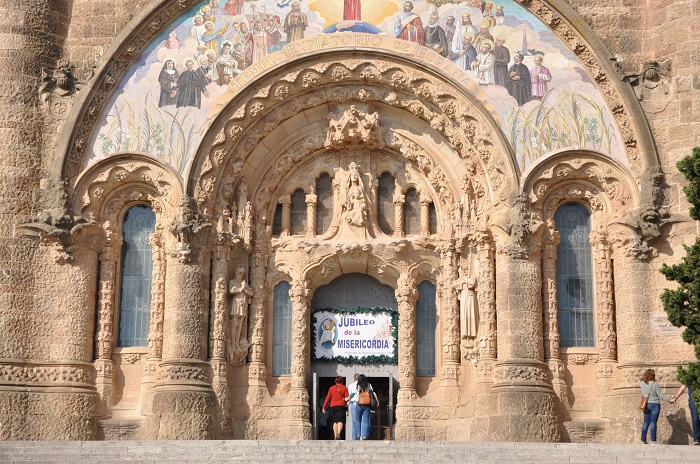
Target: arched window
{"type": "Point", "coordinates": [324, 203]}
{"type": "Point", "coordinates": [426, 325]}
{"type": "Point", "coordinates": [432, 215]}
{"type": "Point", "coordinates": [411, 212]}
{"type": "Point", "coordinates": [385, 203]}
{"type": "Point", "coordinates": [575, 277]}
{"type": "Point", "coordinates": [282, 330]}
{"type": "Point", "coordinates": [136, 268]}
{"type": "Point", "coordinates": [298, 212]}
{"type": "Point", "coordinates": [277, 221]}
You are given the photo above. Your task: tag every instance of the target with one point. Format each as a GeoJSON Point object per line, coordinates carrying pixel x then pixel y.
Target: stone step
{"type": "Point", "coordinates": [332, 452]}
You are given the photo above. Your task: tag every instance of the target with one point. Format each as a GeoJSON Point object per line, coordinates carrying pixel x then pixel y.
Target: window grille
{"type": "Point", "coordinates": [324, 203]}
{"type": "Point", "coordinates": [575, 277]}
{"type": "Point", "coordinates": [136, 269]}
{"type": "Point", "coordinates": [426, 325]}
{"type": "Point", "coordinates": [385, 203]}
{"type": "Point", "coordinates": [282, 330]}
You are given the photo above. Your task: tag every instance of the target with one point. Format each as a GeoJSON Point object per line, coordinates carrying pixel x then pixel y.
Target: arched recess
{"type": "Point", "coordinates": [157, 15]}
{"type": "Point", "coordinates": [103, 194]}
{"type": "Point", "coordinates": [422, 116]}
{"type": "Point", "coordinates": [607, 190]}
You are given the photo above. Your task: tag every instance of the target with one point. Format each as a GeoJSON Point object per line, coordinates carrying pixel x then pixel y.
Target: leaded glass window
{"type": "Point", "coordinates": [282, 330]}
{"type": "Point", "coordinates": [136, 269]}
{"type": "Point", "coordinates": [385, 203]}
{"type": "Point", "coordinates": [575, 277]}
{"type": "Point", "coordinates": [324, 203]}
{"type": "Point", "coordinates": [426, 325]}
{"type": "Point", "coordinates": [298, 213]}
{"type": "Point", "coordinates": [432, 215]}
{"type": "Point", "coordinates": [411, 212]}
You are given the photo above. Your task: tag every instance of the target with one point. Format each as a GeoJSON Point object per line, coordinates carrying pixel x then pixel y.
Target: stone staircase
{"type": "Point", "coordinates": [330, 452]}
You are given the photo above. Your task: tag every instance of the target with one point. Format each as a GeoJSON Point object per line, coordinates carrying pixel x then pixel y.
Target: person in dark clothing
{"type": "Point", "coordinates": [191, 85]}
{"type": "Point", "coordinates": [434, 36]}
{"type": "Point", "coordinates": [501, 56]}
{"type": "Point", "coordinates": [168, 84]}
{"type": "Point", "coordinates": [693, 408]}
{"type": "Point", "coordinates": [518, 83]}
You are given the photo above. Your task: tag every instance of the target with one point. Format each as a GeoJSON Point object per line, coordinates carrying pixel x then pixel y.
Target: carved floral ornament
{"type": "Point", "coordinates": [466, 130]}
{"type": "Point", "coordinates": [103, 191]}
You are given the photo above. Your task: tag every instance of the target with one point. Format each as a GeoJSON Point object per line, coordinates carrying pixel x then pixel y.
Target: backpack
{"type": "Point", "coordinates": [365, 398]}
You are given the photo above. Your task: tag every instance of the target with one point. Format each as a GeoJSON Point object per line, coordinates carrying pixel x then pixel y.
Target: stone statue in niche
{"type": "Point", "coordinates": [242, 294]}
{"type": "Point", "coordinates": [468, 307]}
{"type": "Point", "coordinates": [355, 221]}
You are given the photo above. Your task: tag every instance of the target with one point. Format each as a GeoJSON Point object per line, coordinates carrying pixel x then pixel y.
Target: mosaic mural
{"type": "Point", "coordinates": [545, 99]}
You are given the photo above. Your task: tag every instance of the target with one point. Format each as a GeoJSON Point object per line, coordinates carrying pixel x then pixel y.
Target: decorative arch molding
{"type": "Point", "coordinates": [601, 181]}
{"type": "Point", "coordinates": [432, 101]}
{"type": "Point", "coordinates": [104, 190]}
{"type": "Point", "coordinates": [158, 14]}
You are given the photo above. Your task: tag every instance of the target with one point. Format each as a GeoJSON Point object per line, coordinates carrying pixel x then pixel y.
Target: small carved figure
{"type": "Point", "coordinates": [242, 293]}
{"type": "Point", "coordinates": [468, 307]}
{"type": "Point", "coordinates": [248, 224]}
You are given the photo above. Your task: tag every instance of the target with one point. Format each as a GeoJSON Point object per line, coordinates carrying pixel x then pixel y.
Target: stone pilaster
{"type": "Point", "coordinates": [155, 329]}
{"type": "Point", "coordinates": [257, 373]}
{"type": "Point", "coordinates": [449, 371]}
{"type": "Point", "coordinates": [605, 302]}
{"type": "Point", "coordinates": [550, 312]}
{"type": "Point", "coordinates": [406, 296]}
{"type": "Point", "coordinates": [299, 425]}
{"type": "Point", "coordinates": [104, 338]}
{"type": "Point", "coordinates": [486, 295]}
{"type": "Point", "coordinates": [217, 337]}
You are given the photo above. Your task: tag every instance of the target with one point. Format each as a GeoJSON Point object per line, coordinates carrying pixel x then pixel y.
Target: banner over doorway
{"type": "Point", "coordinates": [355, 335]}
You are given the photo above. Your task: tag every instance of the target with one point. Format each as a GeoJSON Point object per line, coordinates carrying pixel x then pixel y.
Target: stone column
{"type": "Point", "coordinates": [286, 202]}
{"type": "Point", "coordinates": [218, 313]}
{"type": "Point", "coordinates": [449, 372]}
{"type": "Point", "coordinates": [399, 201]}
{"type": "Point", "coordinates": [184, 404]}
{"type": "Point", "coordinates": [635, 300]}
{"type": "Point", "coordinates": [104, 338]}
{"type": "Point", "coordinates": [257, 373]}
{"type": "Point", "coordinates": [526, 403]}
{"type": "Point", "coordinates": [425, 201]}
{"type": "Point", "coordinates": [550, 311]}
{"type": "Point", "coordinates": [311, 215]}
{"type": "Point", "coordinates": [155, 329]}
{"type": "Point", "coordinates": [299, 426]}
{"type": "Point", "coordinates": [406, 296]}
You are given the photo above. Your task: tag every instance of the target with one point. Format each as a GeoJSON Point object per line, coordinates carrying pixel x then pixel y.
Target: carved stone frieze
{"type": "Point", "coordinates": [354, 128]}
{"type": "Point", "coordinates": [173, 371]}
{"type": "Point", "coordinates": [13, 372]}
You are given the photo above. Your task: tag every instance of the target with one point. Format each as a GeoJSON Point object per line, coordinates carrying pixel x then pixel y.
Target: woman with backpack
{"type": "Point", "coordinates": [364, 406]}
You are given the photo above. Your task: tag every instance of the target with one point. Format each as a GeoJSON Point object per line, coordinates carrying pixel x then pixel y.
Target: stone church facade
{"type": "Point", "coordinates": [150, 297]}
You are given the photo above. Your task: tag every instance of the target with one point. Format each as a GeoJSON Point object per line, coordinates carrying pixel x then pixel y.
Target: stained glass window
{"type": "Point", "coordinates": [136, 269]}
{"type": "Point", "coordinates": [282, 330]}
{"type": "Point", "coordinates": [385, 203]}
{"type": "Point", "coordinates": [575, 277]}
{"type": "Point", "coordinates": [324, 203]}
{"type": "Point", "coordinates": [426, 325]}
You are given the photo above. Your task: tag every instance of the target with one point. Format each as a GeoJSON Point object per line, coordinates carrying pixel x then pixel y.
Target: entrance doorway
{"type": "Point", "coordinates": [382, 417]}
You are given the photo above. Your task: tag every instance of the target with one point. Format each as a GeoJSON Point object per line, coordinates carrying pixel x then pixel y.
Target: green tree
{"type": "Point", "coordinates": [683, 304]}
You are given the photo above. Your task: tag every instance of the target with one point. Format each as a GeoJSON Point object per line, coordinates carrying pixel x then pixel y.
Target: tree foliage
{"type": "Point", "coordinates": [683, 303]}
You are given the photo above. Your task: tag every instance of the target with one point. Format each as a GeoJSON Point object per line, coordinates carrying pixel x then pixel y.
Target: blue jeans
{"type": "Point", "coordinates": [651, 415]}
{"type": "Point", "coordinates": [355, 421]}
{"type": "Point", "coordinates": [362, 412]}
